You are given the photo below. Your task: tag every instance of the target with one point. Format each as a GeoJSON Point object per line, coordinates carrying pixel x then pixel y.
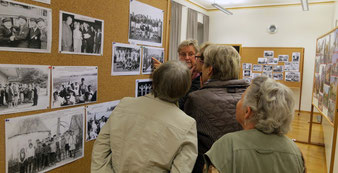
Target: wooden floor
{"type": "Point", "coordinates": [314, 155]}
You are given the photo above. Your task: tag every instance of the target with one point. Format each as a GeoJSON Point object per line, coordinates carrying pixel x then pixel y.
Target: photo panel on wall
{"type": "Point", "coordinates": [148, 54]}
{"type": "Point", "coordinates": [74, 85]}
{"type": "Point", "coordinates": [143, 87]}
{"type": "Point", "coordinates": [24, 88]}
{"type": "Point", "coordinates": [126, 59]}
{"type": "Point", "coordinates": [25, 27]}
{"type": "Point", "coordinates": [80, 34]}
{"type": "Point", "coordinates": [145, 24]}
{"type": "Point", "coordinates": [54, 138]}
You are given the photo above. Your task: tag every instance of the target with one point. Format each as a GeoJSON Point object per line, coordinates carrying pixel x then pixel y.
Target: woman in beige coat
{"type": "Point", "coordinates": [150, 133]}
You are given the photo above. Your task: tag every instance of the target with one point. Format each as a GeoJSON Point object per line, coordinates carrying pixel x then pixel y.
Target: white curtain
{"type": "Point", "coordinates": [205, 28]}
{"type": "Point", "coordinates": [175, 29]}
{"type": "Point", "coordinates": [192, 24]}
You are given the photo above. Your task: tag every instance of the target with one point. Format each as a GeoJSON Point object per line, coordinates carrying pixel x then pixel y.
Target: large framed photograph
{"type": "Point", "coordinates": [42, 142]}
{"type": "Point", "coordinates": [97, 116]}
{"type": "Point", "coordinates": [25, 27]}
{"type": "Point", "coordinates": [145, 24]}
{"type": "Point", "coordinates": [143, 87]}
{"type": "Point", "coordinates": [73, 85]}
{"type": "Point", "coordinates": [80, 34]}
{"type": "Point", "coordinates": [24, 88]}
{"type": "Point", "coordinates": [126, 59]}
{"type": "Point", "coordinates": [147, 62]}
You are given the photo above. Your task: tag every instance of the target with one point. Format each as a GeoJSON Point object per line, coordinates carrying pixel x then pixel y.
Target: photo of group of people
{"type": "Point", "coordinates": [143, 87]}
{"type": "Point", "coordinates": [44, 141]}
{"type": "Point", "coordinates": [148, 54]}
{"type": "Point", "coordinates": [27, 30]}
{"type": "Point", "coordinates": [126, 59]}
{"type": "Point", "coordinates": [23, 88]}
{"type": "Point", "coordinates": [97, 116]}
{"type": "Point", "coordinates": [74, 85]}
{"type": "Point", "coordinates": [325, 78]}
{"type": "Point", "coordinates": [145, 24]}
{"type": "Point", "coordinates": [80, 34]}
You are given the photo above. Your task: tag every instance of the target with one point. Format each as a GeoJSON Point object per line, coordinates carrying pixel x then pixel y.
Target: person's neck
{"type": "Point", "coordinates": [248, 126]}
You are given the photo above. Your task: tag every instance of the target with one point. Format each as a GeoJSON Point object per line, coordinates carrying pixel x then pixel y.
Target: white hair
{"type": "Point", "coordinates": [272, 105]}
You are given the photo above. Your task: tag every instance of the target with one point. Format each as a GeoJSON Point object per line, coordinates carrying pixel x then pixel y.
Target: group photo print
{"type": "Point", "coordinates": [145, 24]}
{"type": "Point", "coordinates": [80, 34]}
{"type": "Point", "coordinates": [143, 87]}
{"type": "Point", "coordinates": [23, 88]}
{"type": "Point", "coordinates": [73, 85]}
{"type": "Point", "coordinates": [97, 116]}
{"type": "Point", "coordinates": [45, 141]}
{"type": "Point", "coordinates": [126, 59]}
{"type": "Point", "coordinates": [24, 27]}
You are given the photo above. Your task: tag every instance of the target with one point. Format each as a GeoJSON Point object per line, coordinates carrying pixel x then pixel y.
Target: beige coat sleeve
{"type": "Point", "coordinates": [186, 156]}
{"type": "Point", "coordinates": [101, 154]}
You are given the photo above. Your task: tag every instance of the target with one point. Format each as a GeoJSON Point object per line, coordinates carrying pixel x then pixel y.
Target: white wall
{"type": "Point", "coordinates": [296, 28]}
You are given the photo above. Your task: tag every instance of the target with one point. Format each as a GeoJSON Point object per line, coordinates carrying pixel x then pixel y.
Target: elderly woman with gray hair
{"type": "Point", "coordinates": [150, 133]}
{"type": "Point", "coordinates": [265, 112]}
{"type": "Point", "coordinates": [213, 106]}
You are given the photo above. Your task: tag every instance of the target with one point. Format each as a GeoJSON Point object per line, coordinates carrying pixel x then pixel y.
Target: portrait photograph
{"type": "Point", "coordinates": [268, 54]}
{"type": "Point", "coordinates": [143, 87]}
{"type": "Point", "coordinates": [283, 58]}
{"type": "Point", "coordinates": [73, 85]}
{"type": "Point", "coordinates": [262, 60]}
{"type": "Point", "coordinates": [80, 34]}
{"type": "Point", "coordinates": [292, 76]}
{"type": "Point", "coordinates": [147, 62]}
{"type": "Point", "coordinates": [24, 88]}
{"type": "Point", "coordinates": [126, 59]}
{"type": "Point", "coordinates": [257, 67]}
{"type": "Point", "coordinates": [145, 24]}
{"type": "Point", "coordinates": [295, 56]}
{"type": "Point", "coordinates": [97, 115]}
{"type": "Point", "coordinates": [42, 142]}
{"type": "Point", "coordinates": [25, 27]}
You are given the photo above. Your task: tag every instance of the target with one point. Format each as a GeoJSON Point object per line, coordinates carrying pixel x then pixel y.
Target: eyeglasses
{"type": "Point", "coordinates": [190, 54]}
{"type": "Point", "coordinates": [201, 58]}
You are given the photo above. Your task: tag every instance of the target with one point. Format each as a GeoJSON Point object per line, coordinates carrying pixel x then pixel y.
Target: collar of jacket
{"type": "Point", "coordinates": [213, 83]}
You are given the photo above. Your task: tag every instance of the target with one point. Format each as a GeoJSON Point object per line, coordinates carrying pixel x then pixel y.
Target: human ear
{"type": "Point", "coordinates": [248, 113]}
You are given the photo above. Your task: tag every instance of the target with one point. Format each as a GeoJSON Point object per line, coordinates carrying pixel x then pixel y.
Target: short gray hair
{"type": "Point", "coordinates": [224, 61]}
{"type": "Point", "coordinates": [189, 42]}
{"type": "Point", "coordinates": [171, 81]}
{"type": "Point", "coordinates": [272, 105]}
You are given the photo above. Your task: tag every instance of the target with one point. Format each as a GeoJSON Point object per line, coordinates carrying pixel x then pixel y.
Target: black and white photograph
{"type": "Point", "coordinates": [147, 62]}
{"type": "Point", "coordinates": [25, 27]}
{"type": "Point", "coordinates": [257, 67]}
{"type": "Point", "coordinates": [254, 75]}
{"type": "Point", "coordinates": [283, 58]}
{"type": "Point", "coordinates": [80, 34]}
{"type": "Point", "coordinates": [291, 66]}
{"type": "Point", "coordinates": [43, 1]}
{"type": "Point", "coordinates": [292, 76]}
{"type": "Point", "coordinates": [268, 54]}
{"type": "Point", "coordinates": [126, 59]}
{"type": "Point", "coordinates": [97, 115]}
{"type": "Point", "coordinates": [262, 61]}
{"type": "Point", "coordinates": [143, 87]}
{"type": "Point", "coordinates": [24, 88]}
{"type": "Point", "coordinates": [267, 68]}
{"type": "Point", "coordinates": [246, 73]}
{"type": "Point", "coordinates": [246, 66]}
{"type": "Point", "coordinates": [73, 85]}
{"type": "Point", "coordinates": [278, 69]}
{"type": "Point", "coordinates": [272, 60]}
{"type": "Point", "coordinates": [267, 74]}
{"type": "Point", "coordinates": [278, 76]}
{"type": "Point", "coordinates": [295, 56]}
{"type": "Point", "coordinates": [145, 24]}
{"type": "Point", "coordinates": [44, 141]}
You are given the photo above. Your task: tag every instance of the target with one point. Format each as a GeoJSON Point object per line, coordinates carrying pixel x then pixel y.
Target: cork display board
{"type": "Point", "coordinates": [251, 55]}
{"type": "Point", "coordinates": [115, 15]}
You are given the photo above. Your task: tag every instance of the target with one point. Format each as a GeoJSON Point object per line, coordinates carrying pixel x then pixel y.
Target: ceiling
{"type": "Point", "coordinates": [247, 3]}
